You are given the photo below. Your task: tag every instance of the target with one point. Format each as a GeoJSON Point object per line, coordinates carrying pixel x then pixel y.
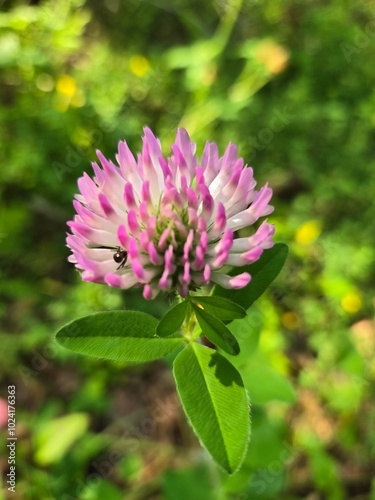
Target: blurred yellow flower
{"type": "Point", "coordinates": [274, 57]}
{"type": "Point", "coordinates": [66, 86]}
{"type": "Point", "coordinates": [308, 232]}
{"type": "Point", "coordinates": [351, 302]}
{"type": "Point", "coordinates": [139, 65]}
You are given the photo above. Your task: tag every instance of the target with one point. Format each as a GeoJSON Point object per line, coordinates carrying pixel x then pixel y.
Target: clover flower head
{"type": "Point", "coordinates": [168, 223]}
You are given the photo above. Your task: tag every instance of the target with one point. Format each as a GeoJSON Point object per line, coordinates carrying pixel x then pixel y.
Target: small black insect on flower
{"type": "Point", "coordinates": [120, 257]}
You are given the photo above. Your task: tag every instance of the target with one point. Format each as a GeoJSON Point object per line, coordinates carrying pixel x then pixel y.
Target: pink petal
{"type": "Point", "coordinates": [235, 282]}
{"type": "Point", "coordinates": [133, 222]}
{"type": "Point", "coordinates": [106, 206]}
{"type": "Point", "coordinates": [186, 278]}
{"type": "Point", "coordinates": [150, 292]}
{"type": "Point", "coordinates": [122, 236]}
{"type": "Point", "coordinates": [129, 197]}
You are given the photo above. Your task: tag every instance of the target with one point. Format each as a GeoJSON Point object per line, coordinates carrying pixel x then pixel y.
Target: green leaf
{"type": "Point", "coordinates": [221, 308]}
{"type": "Point", "coordinates": [247, 332]}
{"type": "Point", "coordinates": [216, 331]}
{"type": "Point", "coordinates": [215, 401]}
{"type": "Point", "coordinates": [127, 336]}
{"type": "Point", "coordinates": [264, 383]}
{"type": "Point", "coordinates": [263, 272]}
{"type": "Point", "coordinates": [172, 320]}
{"type": "Point", "coordinates": [93, 490]}
{"type": "Point", "coordinates": [54, 438]}
{"type": "Point", "coordinates": [187, 483]}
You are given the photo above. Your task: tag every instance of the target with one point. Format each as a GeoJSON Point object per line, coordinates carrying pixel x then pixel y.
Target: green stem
{"type": "Point", "coordinates": [189, 322]}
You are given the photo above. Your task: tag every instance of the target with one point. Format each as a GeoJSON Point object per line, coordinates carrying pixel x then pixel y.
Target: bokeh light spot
{"type": "Point", "coordinates": [290, 320]}
{"type": "Point", "coordinates": [44, 82]}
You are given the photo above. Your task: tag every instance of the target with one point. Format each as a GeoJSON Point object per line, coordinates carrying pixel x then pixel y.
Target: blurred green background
{"type": "Point", "coordinates": [291, 82]}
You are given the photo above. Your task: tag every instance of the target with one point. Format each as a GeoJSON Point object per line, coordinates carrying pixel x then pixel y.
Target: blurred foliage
{"type": "Point", "coordinates": [291, 83]}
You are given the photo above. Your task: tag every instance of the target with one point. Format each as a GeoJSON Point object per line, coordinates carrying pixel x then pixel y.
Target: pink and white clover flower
{"type": "Point", "coordinates": [168, 223]}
